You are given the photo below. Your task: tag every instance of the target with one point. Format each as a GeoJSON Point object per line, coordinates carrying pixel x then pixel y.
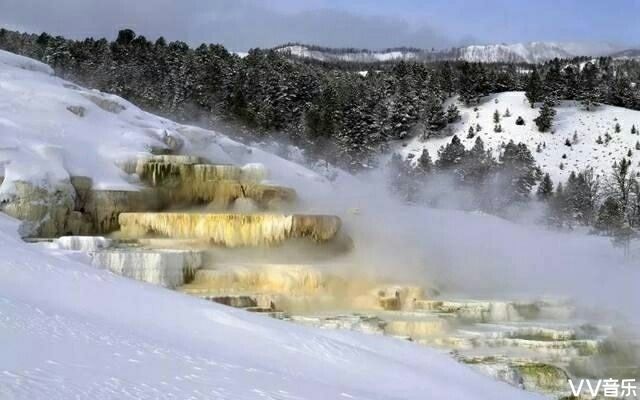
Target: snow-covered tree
{"type": "Point", "coordinates": [544, 120]}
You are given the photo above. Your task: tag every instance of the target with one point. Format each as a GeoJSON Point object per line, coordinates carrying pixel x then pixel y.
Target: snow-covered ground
{"type": "Point", "coordinates": [51, 129]}
{"type": "Point", "coordinates": [71, 330]}
{"type": "Point", "coordinates": [570, 118]}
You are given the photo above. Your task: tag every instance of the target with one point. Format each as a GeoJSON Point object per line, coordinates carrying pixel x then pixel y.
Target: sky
{"type": "Point", "coordinates": [373, 24]}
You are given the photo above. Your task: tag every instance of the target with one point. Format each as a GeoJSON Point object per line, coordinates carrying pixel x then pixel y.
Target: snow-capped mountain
{"type": "Point", "coordinates": [533, 52]}
{"type": "Point", "coordinates": [350, 55]}
{"type": "Point", "coordinates": [629, 54]}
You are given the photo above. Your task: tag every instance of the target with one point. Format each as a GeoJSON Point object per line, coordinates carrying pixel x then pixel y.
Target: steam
{"type": "Point", "coordinates": [472, 254]}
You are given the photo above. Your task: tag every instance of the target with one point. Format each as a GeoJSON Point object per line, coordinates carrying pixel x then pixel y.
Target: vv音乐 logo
{"type": "Point", "coordinates": [609, 388]}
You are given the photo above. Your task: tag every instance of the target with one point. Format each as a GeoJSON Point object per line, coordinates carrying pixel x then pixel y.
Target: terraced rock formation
{"type": "Point", "coordinates": [221, 233]}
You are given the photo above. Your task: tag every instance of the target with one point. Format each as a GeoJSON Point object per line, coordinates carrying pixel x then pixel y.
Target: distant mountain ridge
{"type": "Point", "coordinates": [533, 52]}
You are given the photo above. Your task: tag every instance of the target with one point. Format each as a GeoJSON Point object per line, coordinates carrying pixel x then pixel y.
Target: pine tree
{"type": "Point", "coordinates": [497, 128]}
{"type": "Point", "coordinates": [567, 142]}
{"type": "Point", "coordinates": [590, 92]}
{"type": "Point", "coordinates": [402, 183]}
{"type": "Point", "coordinates": [518, 171]}
{"type": "Point", "coordinates": [574, 139]}
{"type": "Point", "coordinates": [450, 155]}
{"type": "Point", "coordinates": [544, 121]}
{"type": "Point", "coordinates": [424, 165]}
{"type": "Point", "coordinates": [633, 130]}
{"type": "Point", "coordinates": [533, 88]}
{"type": "Point", "coordinates": [617, 128]}
{"type": "Point", "coordinates": [471, 133]}
{"type": "Point", "coordinates": [507, 113]}
{"type": "Point", "coordinates": [453, 114]}
{"type": "Point", "coordinates": [557, 213]}
{"type": "Point", "coordinates": [553, 81]}
{"type": "Point", "coordinates": [478, 128]}
{"type": "Point", "coordinates": [599, 140]}
{"type": "Point", "coordinates": [545, 189]}
{"type": "Point", "coordinates": [610, 216]}
{"type": "Point", "coordinates": [496, 117]}
{"type": "Point", "coordinates": [478, 164]}
{"type": "Point", "coordinates": [519, 121]}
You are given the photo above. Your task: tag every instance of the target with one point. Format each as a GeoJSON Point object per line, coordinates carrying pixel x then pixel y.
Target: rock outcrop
{"type": "Point", "coordinates": [168, 268]}
{"type": "Point", "coordinates": [45, 212]}
{"type": "Point", "coordinates": [82, 243]}
{"type": "Point", "coordinates": [231, 230]}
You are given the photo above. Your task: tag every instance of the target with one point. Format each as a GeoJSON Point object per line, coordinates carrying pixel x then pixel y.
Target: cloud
{"type": "Point", "coordinates": [239, 24]}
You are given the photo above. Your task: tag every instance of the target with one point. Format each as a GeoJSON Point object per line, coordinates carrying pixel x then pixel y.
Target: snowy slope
{"type": "Point", "coordinates": [51, 129]}
{"type": "Point", "coordinates": [533, 52]}
{"type": "Point", "coordinates": [570, 118]}
{"type": "Point", "coordinates": [70, 330]}
{"type": "Point", "coordinates": [352, 56]}
{"type": "Point", "coordinates": [630, 54]}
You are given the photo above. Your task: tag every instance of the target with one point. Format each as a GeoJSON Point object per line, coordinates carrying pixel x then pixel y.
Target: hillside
{"type": "Point", "coordinates": [571, 119]}
{"type": "Point", "coordinates": [533, 52]}
{"type": "Point", "coordinates": [71, 131]}
{"type": "Point", "coordinates": [71, 330]}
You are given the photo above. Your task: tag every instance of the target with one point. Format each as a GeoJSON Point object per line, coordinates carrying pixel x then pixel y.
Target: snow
{"type": "Point", "coordinates": [81, 243]}
{"type": "Point", "coordinates": [44, 142]}
{"type": "Point", "coordinates": [25, 63]}
{"type": "Point", "coordinates": [571, 118]}
{"type": "Point", "coordinates": [73, 331]}
{"type": "Point", "coordinates": [533, 52]}
{"type": "Point", "coordinates": [353, 56]}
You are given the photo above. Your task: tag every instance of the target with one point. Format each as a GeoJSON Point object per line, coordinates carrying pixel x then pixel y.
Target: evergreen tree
{"type": "Point", "coordinates": [533, 90]}
{"type": "Point", "coordinates": [617, 128]}
{"type": "Point", "coordinates": [451, 155]}
{"type": "Point", "coordinates": [478, 164]}
{"type": "Point", "coordinates": [558, 214]}
{"type": "Point", "coordinates": [453, 114]}
{"type": "Point", "coordinates": [471, 133]}
{"type": "Point", "coordinates": [610, 216]}
{"type": "Point", "coordinates": [621, 182]}
{"type": "Point", "coordinates": [544, 120]}
{"type": "Point", "coordinates": [553, 81]}
{"type": "Point", "coordinates": [518, 171]}
{"type": "Point", "coordinates": [496, 117]}
{"type": "Point", "coordinates": [519, 121]}
{"type": "Point", "coordinates": [545, 188]}
{"type": "Point", "coordinates": [590, 92]}
{"type": "Point", "coordinates": [400, 174]}
{"type": "Point", "coordinates": [633, 130]}
{"type": "Point", "coordinates": [424, 165]}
